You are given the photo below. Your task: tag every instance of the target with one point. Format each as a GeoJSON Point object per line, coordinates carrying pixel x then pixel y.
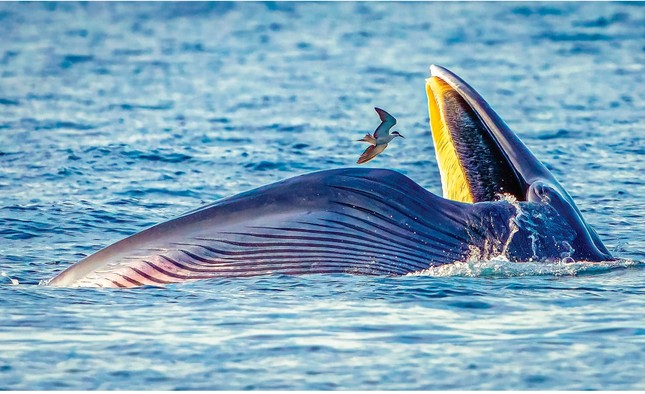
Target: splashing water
{"type": "Point", "coordinates": [500, 267]}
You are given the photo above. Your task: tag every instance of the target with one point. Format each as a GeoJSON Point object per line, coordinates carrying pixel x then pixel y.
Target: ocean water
{"type": "Point", "coordinates": [116, 116]}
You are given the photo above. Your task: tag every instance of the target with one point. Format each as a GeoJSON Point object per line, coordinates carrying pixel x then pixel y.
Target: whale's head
{"type": "Point", "coordinates": [480, 158]}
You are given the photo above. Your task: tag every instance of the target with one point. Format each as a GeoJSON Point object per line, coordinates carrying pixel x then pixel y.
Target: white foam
{"type": "Point", "coordinates": [502, 267]}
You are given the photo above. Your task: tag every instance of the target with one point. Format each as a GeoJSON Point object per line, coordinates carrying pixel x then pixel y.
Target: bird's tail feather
{"type": "Point", "coordinates": [369, 139]}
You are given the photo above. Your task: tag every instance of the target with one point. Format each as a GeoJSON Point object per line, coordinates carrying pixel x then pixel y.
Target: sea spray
{"type": "Point", "coordinates": [503, 268]}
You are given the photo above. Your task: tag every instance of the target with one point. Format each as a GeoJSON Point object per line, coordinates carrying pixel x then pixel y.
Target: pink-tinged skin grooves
{"type": "Point", "coordinates": [359, 221]}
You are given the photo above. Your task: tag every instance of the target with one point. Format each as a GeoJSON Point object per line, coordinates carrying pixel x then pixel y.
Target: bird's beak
{"type": "Point", "coordinates": [401, 135]}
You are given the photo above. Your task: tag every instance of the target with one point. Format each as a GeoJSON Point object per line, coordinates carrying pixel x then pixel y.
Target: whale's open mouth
{"type": "Point", "coordinates": [478, 157]}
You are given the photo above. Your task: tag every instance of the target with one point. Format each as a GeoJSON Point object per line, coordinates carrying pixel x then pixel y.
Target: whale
{"type": "Point", "coordinates": [498, 200]}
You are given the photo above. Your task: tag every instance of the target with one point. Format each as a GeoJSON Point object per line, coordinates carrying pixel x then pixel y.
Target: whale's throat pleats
{"type": "Point", "coordinates": [472, 167]}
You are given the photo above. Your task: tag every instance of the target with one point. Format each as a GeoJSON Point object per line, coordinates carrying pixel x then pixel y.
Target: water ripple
{"type": "Point", "coordinates": [116, 116]}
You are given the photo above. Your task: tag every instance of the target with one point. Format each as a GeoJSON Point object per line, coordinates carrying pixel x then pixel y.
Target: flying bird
{"type": "Point", "coordinates": [378, 142]}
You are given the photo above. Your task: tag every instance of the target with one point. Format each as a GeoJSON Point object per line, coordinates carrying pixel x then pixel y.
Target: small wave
{"type": "Point", "coordinates": [161, 106]}
{"type": "Point", "coordinates": [503, 268]}
{"type": "Point", "coordinates": [71, 59]}
{"type": "Point", "coordinates": [265, 166]}
{"type": "Point", "coordinates": [6, 279]}
{"type": "Point", "coordinates": [603, 21]}
{"type": "Point", "coordinates": [52, 124]}
{"type": "Point", "coordinates": [565, 37]}
{"type": "Point", "coordinates": [161, 155]}
{"type": "Point", "coordinates": [5, 101]}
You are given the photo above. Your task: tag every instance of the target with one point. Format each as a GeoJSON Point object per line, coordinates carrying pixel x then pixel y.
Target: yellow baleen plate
{"type": "Point", "coordinates": [453, 177]}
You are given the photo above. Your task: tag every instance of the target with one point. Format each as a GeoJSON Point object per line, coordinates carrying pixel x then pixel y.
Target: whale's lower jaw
{"type": "Point", "coordinates": [358, 221]}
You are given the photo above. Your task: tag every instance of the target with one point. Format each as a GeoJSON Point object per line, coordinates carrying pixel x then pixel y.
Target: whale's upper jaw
{"type": "Point", "coordinates": [480, 158]}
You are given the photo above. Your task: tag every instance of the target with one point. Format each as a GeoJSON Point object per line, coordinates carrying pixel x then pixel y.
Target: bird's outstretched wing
{"type": "Point", "coordinates": [387, 121]}
{"type": "Point", "coordinates": [370, 153]}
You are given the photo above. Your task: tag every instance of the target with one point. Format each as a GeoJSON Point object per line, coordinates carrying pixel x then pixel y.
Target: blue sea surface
{"type": "Point", "coordinates": [117, 116]}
